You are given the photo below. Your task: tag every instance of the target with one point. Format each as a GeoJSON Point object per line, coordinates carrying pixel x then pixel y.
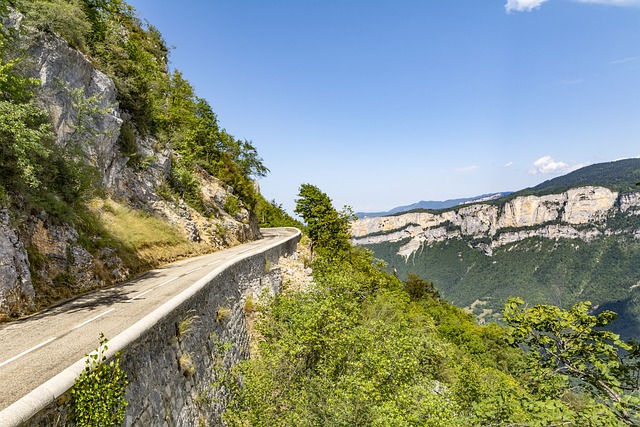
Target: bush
{"type": "Point", "coordinates": [99, 392]}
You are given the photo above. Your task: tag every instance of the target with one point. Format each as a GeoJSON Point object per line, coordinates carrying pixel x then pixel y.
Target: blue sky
{"type": "Point", "coordinates": [383, 103]}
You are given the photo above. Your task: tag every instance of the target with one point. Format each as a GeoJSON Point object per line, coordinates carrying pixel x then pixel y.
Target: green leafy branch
{"type": "Point", "coordinates": [572, 343]}
{"type": "Point", "coordinates": [99, 392]}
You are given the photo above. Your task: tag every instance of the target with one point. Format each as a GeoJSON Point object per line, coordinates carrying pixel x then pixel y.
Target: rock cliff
{"type": "Point", "coordinates": [578, 213]}
{"type": "Point", "coordinates": [84, 112]}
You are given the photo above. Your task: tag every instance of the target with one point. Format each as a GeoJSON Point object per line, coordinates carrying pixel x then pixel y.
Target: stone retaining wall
{"type": "Point", "coordinates": [176, 364]}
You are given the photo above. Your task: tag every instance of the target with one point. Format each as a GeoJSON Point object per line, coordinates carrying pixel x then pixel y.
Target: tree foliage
{"type": "Point", "coordinates": [569, 349]}
{"type": "Point", "coordinates": [328, 229]}
{"type": "Point", "coordinates": [272, 214]}
{"type": "Point", "coordinates": [361, 348]}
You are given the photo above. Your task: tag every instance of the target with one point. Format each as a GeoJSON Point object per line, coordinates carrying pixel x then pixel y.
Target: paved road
{"type": "Point", "coordinates": [35, 349]}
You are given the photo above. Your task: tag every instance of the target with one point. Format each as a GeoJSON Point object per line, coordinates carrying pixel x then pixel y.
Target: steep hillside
{"type": "Point", "coordinates": [559, 248]}
{"type": "Point", "coordinates": [620, 176]}
{"type": "Point", "coordinates": [111, 164]}
{"type": "Point", "coordinates": [355, 346]}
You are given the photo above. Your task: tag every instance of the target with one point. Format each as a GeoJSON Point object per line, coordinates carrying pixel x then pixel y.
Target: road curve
{"type": "Point", "coordinates": [38, 348]}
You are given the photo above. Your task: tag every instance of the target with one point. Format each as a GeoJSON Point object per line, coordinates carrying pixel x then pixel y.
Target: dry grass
{"type": "Point", "coordinates": [186, 364]}
{"type": "Point", "coordinates": [223, 314]}
{"type": "Point", "coordinates": [153, 240]}
{"type": "Point", "coordinates": [185, 325]}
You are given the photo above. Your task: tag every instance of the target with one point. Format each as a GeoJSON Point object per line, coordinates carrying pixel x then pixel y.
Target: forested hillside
{"type": "Point", "coordinates": [110, 162]}
{"type": "Point", "coordinates": [619, 175]}
{"type": "Point", "coordinates": [359, 347]}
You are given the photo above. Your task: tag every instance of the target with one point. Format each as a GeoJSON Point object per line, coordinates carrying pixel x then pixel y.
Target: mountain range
{"type": "Point", "coordinates": [569, 239]}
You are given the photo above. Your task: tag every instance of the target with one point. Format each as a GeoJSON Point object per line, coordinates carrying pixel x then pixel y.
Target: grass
{"type": "Point", "coordinates": [151, 239]}
{"type": "Point", "coordinates": [185, 325]}
{"type": "Point", "coordinates": [223, 314]}
{"type": "Point", "coordinates": [250, 304]}
{"type": "Point", "coordinates": [186, 364]}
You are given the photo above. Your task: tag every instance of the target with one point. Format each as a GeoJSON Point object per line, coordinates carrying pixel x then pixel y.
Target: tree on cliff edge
{"type": "Point", "coordinates": [328, 229]}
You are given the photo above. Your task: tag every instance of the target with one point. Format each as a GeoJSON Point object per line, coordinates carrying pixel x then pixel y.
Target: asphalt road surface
{"type": "Point", "coordinates": [36, 348]}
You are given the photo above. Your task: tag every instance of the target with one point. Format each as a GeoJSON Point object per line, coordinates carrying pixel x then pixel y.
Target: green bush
{"type": "Point", "coordinates": [99, 392]}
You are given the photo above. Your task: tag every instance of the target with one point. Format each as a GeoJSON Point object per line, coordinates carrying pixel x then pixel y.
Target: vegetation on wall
{"type": "Point", "coordinates": [98, 395]}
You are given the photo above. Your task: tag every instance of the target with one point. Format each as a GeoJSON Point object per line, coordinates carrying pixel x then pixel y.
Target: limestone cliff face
{"type": "Point", "coordinates": [84, 111]}
{"type": "Point", "coordinates": [579, 213]}
{"type": "Point", "coordinates": [68, 78]}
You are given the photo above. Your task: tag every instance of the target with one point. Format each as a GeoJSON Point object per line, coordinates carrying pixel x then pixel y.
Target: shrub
{"type": "Point", "coordinates": [99, 392]}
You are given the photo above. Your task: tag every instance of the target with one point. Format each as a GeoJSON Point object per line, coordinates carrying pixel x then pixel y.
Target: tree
{"type": "Point", "coordinates": [24, 127]}
{"type": "Point", "coordinates": [572, 344]}
{"type": "Point", "coordinates": [328, 229]}
{"type": "Point", "coordinates": [65, 18]}
{"type": "Point", "coordinates": [418, 288]}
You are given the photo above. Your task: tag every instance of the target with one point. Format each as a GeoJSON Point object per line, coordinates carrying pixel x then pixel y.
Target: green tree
{"type": "Point", "coordinates": [24, 127]}
{"type": "Point", "coordinates": [272, 214]}
{"type": "Point", "coordinates": [418, 288]}
{"type": "Point", "coordinates": [571, 349]}
{"type": "Point", "coordinates": [328, 229]}
{"type": "Point", "coordinates": [65, 18]}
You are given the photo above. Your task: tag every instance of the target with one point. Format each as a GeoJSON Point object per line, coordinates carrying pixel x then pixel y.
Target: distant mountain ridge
{"type": "Point", "coordinates": [569, 239]}
{"type": "Point", "coordinates": [434, 204]}
{"type": "Point", "coordinates": [618, 175]}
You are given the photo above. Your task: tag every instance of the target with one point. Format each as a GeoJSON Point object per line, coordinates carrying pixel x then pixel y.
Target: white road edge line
{"type": "Point", "coordinates": [195, 269]}
{"type": "Point", "coordinates": [27, 351]}
{"type": "Point", "coordinates": [92, 319]}
{"type": "Point", "coordinates": [139, 295]}
{"type": "Point", "coordinates": [168, 281]}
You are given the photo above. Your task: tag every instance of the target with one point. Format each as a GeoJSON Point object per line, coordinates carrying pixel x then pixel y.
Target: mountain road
{"type": "Point", "coordinates": [37, 348]}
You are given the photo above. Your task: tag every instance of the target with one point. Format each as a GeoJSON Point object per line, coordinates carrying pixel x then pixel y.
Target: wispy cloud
{"type": "Point", "coordinates": [572, 82]}
{"type": "Point", "coordinates": [529, 5]}
{"type": "Point", "coordinates": [522, 5]}
{"type": "Point", "coordinates": [508, 164]}
{"type": "Point", "coordinates": [547, 165]}
{"type": "Point", "coordinates": [612, 2]}
{"type": "Point", "coordinates": [625, 60]}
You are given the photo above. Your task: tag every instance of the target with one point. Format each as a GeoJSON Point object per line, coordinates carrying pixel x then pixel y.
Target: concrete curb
{"type": "Point", "coordinates": [38, 399]}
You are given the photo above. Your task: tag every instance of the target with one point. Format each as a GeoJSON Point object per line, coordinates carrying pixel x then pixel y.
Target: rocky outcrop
{"type": "Point", "coordinates": [16, 288]}
{"type": "Point", "coordinates": [579, 213]}
{"type": "Point", "coordinates": [81, 102]}
{"type": "Point", "coordinates": [86, 119]}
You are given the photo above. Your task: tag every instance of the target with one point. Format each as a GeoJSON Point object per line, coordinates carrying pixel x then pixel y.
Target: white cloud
{"type": "Point", "coordinates": [572, 82]}
{"type": "Point", "coordinates": [522, 5]}
{"type": "Point", "coordinates": [547, 165]}
{"type": "Point", "coordinates": [508, 165]}
{"type": "Point", "coordinates": [529, 5]}
{"type": "Point", "coordinates": [625, 60]}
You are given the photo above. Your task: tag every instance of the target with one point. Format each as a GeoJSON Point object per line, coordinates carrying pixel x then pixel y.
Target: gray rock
{"type": "Point", "coordinates": [16, 288]}
{"type": "Point", "coordinates": [63, 70]}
